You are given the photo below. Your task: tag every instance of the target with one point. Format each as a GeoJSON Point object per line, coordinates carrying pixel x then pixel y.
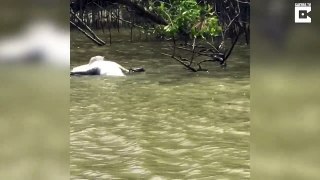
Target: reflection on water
{"type": "Point", "coordinates": [166, 123]}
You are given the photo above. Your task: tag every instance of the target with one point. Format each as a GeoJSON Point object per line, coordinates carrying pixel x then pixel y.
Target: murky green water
{"type": "Point", "coordinates": [167, 123]}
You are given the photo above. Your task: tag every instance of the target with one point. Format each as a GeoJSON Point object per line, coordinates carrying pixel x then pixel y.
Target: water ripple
{"type": "Point", "coordinates": [173, 125]}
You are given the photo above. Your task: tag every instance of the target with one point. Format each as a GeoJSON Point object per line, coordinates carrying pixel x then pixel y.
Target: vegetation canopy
{"type": "Point", "coordinates": [188, 17]}
{"type": "Point", "coordinates": [205, 28]}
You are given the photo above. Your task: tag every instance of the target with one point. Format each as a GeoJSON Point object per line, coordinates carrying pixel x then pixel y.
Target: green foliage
{"type": "Point", "coordinates": [188, 17]}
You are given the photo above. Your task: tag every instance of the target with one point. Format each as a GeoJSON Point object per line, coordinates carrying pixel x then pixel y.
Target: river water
{"type": "Point", "coordinates": [166, 123]}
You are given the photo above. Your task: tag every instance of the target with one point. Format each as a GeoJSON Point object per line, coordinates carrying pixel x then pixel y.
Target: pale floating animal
{"type": "Point", "coordinates": [99, 66]}
{"type": "Point", "coordinates": [41, 42]}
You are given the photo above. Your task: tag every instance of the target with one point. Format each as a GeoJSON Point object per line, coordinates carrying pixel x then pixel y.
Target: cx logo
{"type": "Point", "coordinates": [301, 12]}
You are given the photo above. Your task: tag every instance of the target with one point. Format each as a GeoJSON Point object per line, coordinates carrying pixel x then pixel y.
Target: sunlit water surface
{"type": "Point", "coordinates": [166, 123]}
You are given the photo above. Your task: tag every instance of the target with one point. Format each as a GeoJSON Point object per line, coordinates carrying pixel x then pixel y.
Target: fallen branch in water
{"type": "Point", "coordinates": [97, 39]}
{"type": "Point", "coordinates": [86, 34]}
{"type": "Point", "coordinates": [180, 60]}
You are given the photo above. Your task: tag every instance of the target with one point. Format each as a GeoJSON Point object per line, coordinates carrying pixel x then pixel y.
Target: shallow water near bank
{"type": "Point", "coordinates": [165, 123]}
